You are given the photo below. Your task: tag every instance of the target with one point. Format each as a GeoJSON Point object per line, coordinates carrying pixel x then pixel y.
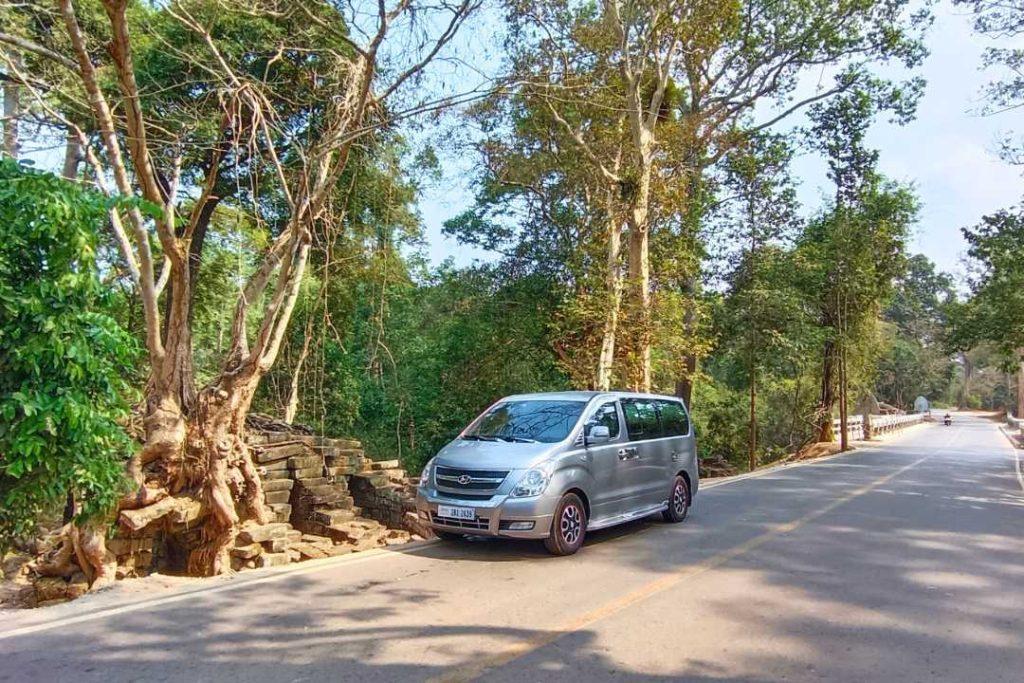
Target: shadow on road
{"type": "Point", "coordinates": [920, 578]}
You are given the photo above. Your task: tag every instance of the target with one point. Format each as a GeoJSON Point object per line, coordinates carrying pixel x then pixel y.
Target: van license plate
{"type": "Point", "coordinates": [456, 513]}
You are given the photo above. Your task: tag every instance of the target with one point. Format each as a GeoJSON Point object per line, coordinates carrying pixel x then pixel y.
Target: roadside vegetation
{"type": "Point", "coordinates": [230, 224]}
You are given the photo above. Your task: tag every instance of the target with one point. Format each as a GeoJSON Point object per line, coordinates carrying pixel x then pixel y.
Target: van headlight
{"type": "Point", "coordinates": [425, 474]}
{"type": "Point", "coordinates": [532, 483]}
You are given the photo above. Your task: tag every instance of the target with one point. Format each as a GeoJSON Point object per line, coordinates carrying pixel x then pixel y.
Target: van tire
{"type": "Point", "coordinates": [568, 526]}
{"type": "Point", "coordinates": [678, 501]}
{"type": "Point", "coordinates": [448, 535]}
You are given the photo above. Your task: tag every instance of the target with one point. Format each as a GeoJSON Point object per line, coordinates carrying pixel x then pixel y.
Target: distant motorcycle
{"type": "Point", "coordinates": [947, 420]}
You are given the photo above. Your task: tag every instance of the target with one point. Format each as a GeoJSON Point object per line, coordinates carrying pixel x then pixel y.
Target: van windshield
{"type": "Point", "coordinates": [527, 421]}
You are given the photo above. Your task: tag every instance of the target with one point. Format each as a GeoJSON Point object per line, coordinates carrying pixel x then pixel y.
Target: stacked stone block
{"type": "Point", "coordinates": [320, 471]}
{"type": "Point", "coordinates": [385, 492]}
{"type": "Point", "coordinates": [309, 483]}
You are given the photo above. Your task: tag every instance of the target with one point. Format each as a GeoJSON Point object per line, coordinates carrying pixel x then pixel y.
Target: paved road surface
{"type": "Point", "coordinates": [902, 562]}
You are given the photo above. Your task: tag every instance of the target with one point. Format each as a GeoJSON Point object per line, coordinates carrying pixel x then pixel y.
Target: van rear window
{"type": "Point", "coordinates": [674, 421]}
{"type": "Point", "coordinates": [641, 419]}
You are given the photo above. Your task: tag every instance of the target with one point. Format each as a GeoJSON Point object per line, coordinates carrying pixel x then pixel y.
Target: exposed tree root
{"type": "Point", "coordinates": [56, 560]}
{"type": "Point", "coordinates": [143, 496]}
{"type": "Point", "coordinates": [78, 548]}
{"type": "Point", "coordinates": [97, 563]}
{"type": "Point", "coordinates": [179, 509]}
{"type": "Point", "coordinates": [212, 557]}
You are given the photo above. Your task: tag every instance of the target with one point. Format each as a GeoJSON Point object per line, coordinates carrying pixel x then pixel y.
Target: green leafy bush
{"type": "Point", "coordinates": [64, 362]}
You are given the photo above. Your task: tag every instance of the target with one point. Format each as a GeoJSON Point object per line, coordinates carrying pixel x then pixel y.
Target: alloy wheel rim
{"type": "Point", "coordinates": [571, 524]}
{"type": "Point", "coordinates": [679, 498]}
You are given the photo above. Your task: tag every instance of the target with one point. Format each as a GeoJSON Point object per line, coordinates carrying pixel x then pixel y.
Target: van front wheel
{"type": "Point", "coordinates": [678, 501]}
{"type": "Point", "coordinates": [568, 526]}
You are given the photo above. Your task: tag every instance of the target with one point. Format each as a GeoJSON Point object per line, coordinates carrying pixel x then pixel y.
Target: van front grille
{"type": "Point", "coordinates": [457, 480]}
{"type": "Point", "coordinates": [467, 496]}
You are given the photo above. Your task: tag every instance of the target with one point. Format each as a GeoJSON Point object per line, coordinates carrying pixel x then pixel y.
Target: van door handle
{"type": "Point", "coordinates": [628, 454]}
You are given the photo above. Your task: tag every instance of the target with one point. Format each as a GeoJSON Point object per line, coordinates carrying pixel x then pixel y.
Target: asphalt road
{"type": "Point", "coordinates": [901, 562]}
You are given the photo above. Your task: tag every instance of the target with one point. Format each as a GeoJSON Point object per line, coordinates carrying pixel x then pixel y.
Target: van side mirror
{"type": "Point", "coordinates": [598, 434]}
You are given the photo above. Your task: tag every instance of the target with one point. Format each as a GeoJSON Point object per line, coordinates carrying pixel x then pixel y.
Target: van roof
{"type": "Point", "coordinates": [583, 395]}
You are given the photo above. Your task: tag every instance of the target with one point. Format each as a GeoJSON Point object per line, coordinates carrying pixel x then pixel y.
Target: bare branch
{"type": "Point", "coordinates": [101, 110]}
{"type": "Point", "coordinates": [120, 51]}
{"type": "Point", "coordinates": [36, 48]}
{"type": "Point", "coordinates": [582, 144]}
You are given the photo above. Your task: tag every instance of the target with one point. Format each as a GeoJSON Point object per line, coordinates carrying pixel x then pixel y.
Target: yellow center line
{"type": "Point", "coordinates": [476, 668]}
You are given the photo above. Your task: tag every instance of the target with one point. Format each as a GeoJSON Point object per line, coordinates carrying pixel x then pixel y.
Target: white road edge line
{"type": "Point", "coordinates": [862, 447]}
{"type": "Point", "coordinates": [314, 566]}
{"type": "Point", "coordinates": [1018, 465]}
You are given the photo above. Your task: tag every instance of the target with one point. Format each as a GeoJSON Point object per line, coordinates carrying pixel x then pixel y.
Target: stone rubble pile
{"type": "Point", "coordinates": [324, 496]}
{"type": "Point", "coordinates": [386, 493]}
{"type": "Point", "coordinates": [306, 482]}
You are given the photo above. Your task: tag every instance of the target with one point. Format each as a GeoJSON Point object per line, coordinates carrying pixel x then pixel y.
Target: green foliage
{"type": "Point", "coordinates": [453, 345]}
{"type": "Point", "coordinates": [64, 362]}
{"type": "Point", "coordinates": [720, 420]}
{"type": "Point", "coordinates": [995, 311]}
{"type": "Point", "coordinates": [914, 361]}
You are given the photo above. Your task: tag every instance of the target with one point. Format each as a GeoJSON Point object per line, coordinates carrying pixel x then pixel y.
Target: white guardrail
{"type": "Point", "coordinates": [878, 424]}
{"type": "Point", "coordinates": [1014, 423]}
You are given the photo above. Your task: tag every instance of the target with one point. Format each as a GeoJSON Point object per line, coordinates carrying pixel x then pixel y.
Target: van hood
{"type": "Point", "coordinates": [493, 455]}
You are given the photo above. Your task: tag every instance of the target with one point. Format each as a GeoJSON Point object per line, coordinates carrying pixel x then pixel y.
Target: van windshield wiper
{"type": "Point", "coordinates": [477, 437]}
{"type": "Point", "coordinates": [516, 439]}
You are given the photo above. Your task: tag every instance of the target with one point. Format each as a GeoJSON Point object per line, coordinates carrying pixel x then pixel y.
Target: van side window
{"type": "Point", "coordinates": [641, 419]}
{"type": "Point", "coordinates": [673, 418]}
{"type": "Point", "coordinates": [605, 415]}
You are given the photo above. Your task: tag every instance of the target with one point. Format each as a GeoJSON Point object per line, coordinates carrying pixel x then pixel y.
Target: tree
{"type": "Point", "coordinates": [1002, 21]}
{"type": "Point", "coordinates": [920, 299]}
{"type": "Point", "coordinates": [338, 66]}
{"type": "Point", "coordinates": [858, 245]}
{"type": "Point", "coordinates": [999, 21]}
{"type": "Point", "coordinates": [995, 311]}
{"type": "Point", "coordinates": [546, 211]}
{"type": "Point", "coordinates": [763, 299]}
{"type": "Point", "coordinates": [685, 75]}
{"type": "Point", "coordinates": [64, 361]}
{"type": "Point", "coordinates": [914, 360]}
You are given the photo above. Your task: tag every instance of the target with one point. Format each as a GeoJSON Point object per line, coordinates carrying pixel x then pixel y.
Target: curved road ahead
{"type": "Point", "coordinates": [903, 561]}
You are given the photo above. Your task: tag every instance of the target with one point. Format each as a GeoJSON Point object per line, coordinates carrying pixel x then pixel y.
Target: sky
{"type": "Point", "coordinates": [947, 153]}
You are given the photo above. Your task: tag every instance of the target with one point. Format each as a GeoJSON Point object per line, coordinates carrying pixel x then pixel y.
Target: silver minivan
{"type": "Point", "coordinates": [553, 466]}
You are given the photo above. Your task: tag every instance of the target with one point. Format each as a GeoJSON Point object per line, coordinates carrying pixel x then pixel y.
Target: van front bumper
{"type": "Point", "coordinates": [500, 515]}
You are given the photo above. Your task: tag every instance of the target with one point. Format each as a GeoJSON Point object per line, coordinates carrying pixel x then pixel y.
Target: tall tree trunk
{"type": "Point", "coordinates": [221, 466]}
{"type": "Point", "coordinates": [684, 384]}
{"type": "Point", "coordinates": [1020, 387]}
{"type": "Point", "coordinates": [827, 397]}
{"type": "Point", "coordinates": [640, 278]}
{"type": "Point", "coordinates": [292, 405]}
{"type": "Point", "coordinates": [613, 284]}
{"type": "Point", "coordinates": [752, 427]}
{"type": "Point", "coordinates": [72, 156]}
{"type": "Point", "coordinates": [965, 389]}
{"type": "Point", "coordinates": [613, 290]}
{"type": "Point", "coordinates": [693, 215]}
{"type": "Point", "coordinates": [844, 431]}
{"type": "Point", "coordinates": [12, 109]}
{"type": "Point", "coordinates": [195, 258]}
